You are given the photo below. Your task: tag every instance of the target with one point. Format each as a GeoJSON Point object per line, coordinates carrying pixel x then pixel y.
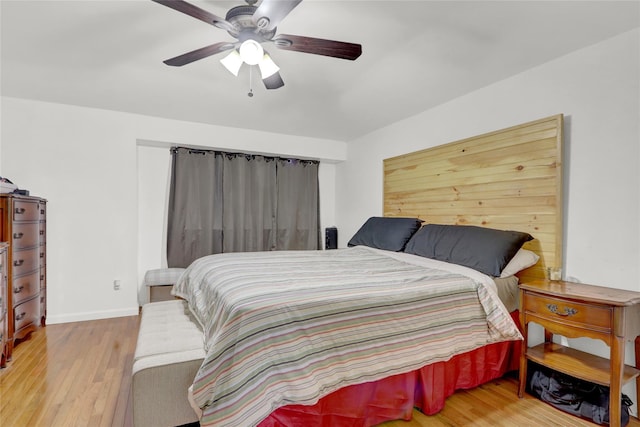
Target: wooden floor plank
{"type": "Point", "coordinates": [79, 374]}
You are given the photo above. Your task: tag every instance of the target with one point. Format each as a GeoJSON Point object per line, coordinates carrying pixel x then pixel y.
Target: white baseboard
{"type": "Point", "coordinates": [92, 315]}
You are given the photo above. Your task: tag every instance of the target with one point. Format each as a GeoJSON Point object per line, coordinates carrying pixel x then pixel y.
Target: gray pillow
{"type": "Point", "coordinates": [388, 233]}
{"type": "Point", "coordinates": [484, 249]}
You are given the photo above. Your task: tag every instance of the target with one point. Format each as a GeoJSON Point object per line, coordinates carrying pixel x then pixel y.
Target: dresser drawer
{"type": "Point", "coordinates": [24, 261]}
{"type": "Point", "coordinates": [26, 314]}
{"type": "Point", "coordinates": [42, 233]}
{"type": "Point", "coordinates": [25, 235]}
{"type": "Point", "coordinates": [562, 310]}
{"type": "Point", "coordinates": [26, 210]}
{"type": "Point", "coordinates": [42, 255]}
{"type": "Point", "coordinates": [43, 277]}
{"type": "Point", "coordinates": [42, 211]}
{"type": "Point", "coordinates": [25, 287]}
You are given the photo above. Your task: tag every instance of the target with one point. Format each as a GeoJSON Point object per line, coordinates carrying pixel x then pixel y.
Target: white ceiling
{"type": "Point", "coordinates": [416, 55]}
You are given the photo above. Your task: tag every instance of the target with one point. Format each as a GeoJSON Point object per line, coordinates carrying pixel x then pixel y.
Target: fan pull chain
{"type": "Point", "coordinates": [250, 94]}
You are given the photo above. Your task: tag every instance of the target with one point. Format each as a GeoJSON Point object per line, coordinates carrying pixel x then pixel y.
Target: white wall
{"type": "Point", "coordinates": [598, 90]}
{"type": "Point", "coordinates": [86, 163]}
{"type": "Point", "coordinates": [154, 170]}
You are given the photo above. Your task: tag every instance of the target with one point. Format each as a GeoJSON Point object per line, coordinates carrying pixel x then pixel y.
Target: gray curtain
{"type": "Point", "coordinates": [222, 202]}
{"type": "Point", "coordinates": [250, 198]}
{"type": "Point", "coordinates": [297, 227]}
{"type": "Point", "coordinates": [194, 220]}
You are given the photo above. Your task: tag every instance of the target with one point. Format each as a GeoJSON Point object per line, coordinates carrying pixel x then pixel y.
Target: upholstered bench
{"type": "Point", "coordinates": [160, 281]}
{"type": "Point", "coordinates": [169, 351]}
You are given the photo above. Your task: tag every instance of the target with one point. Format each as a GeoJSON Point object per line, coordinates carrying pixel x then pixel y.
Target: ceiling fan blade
{"type": "Point", "coordinates": [203, 52]}
{"type": "Point", "coordinates": [196, 12]}
{"type": "Point", "coordinates": [274, 81]}
{"type": "Point", "coordinates": [336, 49]}
{"type": "Point", "coordinates": [271, 12]}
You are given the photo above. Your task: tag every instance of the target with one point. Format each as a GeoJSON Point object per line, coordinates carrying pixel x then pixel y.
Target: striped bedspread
{"type": "Point", "coordinates": [291, 327]}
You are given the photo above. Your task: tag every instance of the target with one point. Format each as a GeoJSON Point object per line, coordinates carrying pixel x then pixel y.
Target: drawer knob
{"type": "Point", "coordinates": [21, 316]}
{"type": "Point", "coordinates": [18, 235]}
{"type": "Point", "coordinates": [567, 311]}
{"type": "Point", "coordinates": [18, 263]}
{"type": "Point", "coordinates": [17, 290]}
{"type": "Point", "coordinates": [20, 211]}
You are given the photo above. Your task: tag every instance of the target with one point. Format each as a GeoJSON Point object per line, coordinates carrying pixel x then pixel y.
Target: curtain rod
{"type": "Point", "coordinates": [174, 150]}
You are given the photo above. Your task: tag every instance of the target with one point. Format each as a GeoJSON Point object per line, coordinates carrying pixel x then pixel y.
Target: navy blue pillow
{"type": "Point", "coordinates": [388, 233]}
{"type": "Point", "coordinates": [484, 249]}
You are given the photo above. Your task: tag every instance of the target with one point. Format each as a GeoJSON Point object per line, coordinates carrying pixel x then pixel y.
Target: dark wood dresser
{"type": "Point", "coordinates": [23, 227]}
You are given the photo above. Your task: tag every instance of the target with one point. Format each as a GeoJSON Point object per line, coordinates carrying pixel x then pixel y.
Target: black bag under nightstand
{"type": "Point", "coordinates": [574, 396]}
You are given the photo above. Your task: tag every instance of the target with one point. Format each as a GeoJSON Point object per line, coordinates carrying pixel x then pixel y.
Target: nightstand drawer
{"type": "Point", "coordinates": [565, 311]}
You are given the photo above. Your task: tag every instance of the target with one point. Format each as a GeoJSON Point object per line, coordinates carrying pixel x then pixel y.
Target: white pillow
{"type": "Point", "coordinates": [521, 260]}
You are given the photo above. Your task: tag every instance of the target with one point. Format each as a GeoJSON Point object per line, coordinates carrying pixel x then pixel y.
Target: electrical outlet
{"type": "Point", "coordinates": [116, 285]}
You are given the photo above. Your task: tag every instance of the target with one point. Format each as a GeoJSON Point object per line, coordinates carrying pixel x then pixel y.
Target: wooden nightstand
{"type": "Point", "coordinates": [576, 310]}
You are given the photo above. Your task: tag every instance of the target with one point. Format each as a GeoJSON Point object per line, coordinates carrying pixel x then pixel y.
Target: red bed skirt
{"type": "Point", "coordinates": [394, 398]}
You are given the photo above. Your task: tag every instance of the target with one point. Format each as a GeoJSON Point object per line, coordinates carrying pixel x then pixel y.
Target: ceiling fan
{"type": "Point", "coordinates": [252, 26]}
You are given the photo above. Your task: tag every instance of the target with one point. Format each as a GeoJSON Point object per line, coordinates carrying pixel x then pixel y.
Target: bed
{"type": "Point", "coordinates": [414, 310]}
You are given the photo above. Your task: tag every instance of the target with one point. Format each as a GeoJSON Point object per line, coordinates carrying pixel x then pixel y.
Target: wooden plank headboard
{"type": "Point", "coordinates": [509, 179]}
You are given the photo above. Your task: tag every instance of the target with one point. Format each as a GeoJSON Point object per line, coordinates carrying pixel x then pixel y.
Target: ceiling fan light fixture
{"type": "Point", "coordinates": [232, 62]}
{"type": "Point", "coordinates": [251, 26]}
{"type": "Point", "coordinates": [267, 66]}
{"type": "Point", "coordinates": [251, 52]}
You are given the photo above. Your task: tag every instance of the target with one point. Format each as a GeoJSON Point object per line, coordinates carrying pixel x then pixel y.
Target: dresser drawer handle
{"type": "Point", "coordinates": [567, 311]}
{"type": "Point", "coordinates": [18, 263]}
{"type": "Point", "coordinates": [18, 235]}
{"type": "Point", "coordinates": [42, 232]}
{"type": "Point", "coordinates": [20, 211]}
{"type": "Point", "coordinates": [18, 290]}
{"type": "Point", "coordinates": [21, 316]}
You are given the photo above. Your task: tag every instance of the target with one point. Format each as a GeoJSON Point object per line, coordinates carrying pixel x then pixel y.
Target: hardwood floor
{"type": "Point", "coordinates": [79, 374]}
{"type": "Point", "coordinates": [72, 374]}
